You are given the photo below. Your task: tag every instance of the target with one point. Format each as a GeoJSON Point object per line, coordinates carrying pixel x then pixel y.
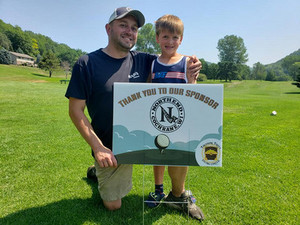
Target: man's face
{"type": "Point", "coordinates": [123, 33]}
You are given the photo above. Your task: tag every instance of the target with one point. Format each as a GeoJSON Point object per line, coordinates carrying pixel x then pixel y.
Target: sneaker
{"type": "Point", "coordinates": [185, 203]}
{"type": "Point", "coordinates": [154, 199]}
{"type": "Point", "coordinates": [91, 173]}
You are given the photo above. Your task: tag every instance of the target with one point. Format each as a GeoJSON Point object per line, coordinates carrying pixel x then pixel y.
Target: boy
{"type": "Point", "coordinates": [170, 67]}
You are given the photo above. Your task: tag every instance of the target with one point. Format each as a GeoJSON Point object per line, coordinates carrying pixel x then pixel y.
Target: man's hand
{"type": "Point", "coordinates": [105, 158]}
{"type": "Point", "coordinates": [194, 66]}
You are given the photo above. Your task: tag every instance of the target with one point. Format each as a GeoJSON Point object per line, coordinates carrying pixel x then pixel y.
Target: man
{"type": "Point", "coordinates": [91, 85]}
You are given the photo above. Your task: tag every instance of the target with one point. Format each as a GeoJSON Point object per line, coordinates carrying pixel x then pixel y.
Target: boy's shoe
{"type": "Point", "coordinates": [154, 199]}
{"type": "Point", "coordinates": [185, 203]}
{"type": "Point", "coordinates": [91, 173]}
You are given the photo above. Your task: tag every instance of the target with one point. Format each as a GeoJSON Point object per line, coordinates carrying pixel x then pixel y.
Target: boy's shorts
{"type": "Point", "coordinates": [114, 183]}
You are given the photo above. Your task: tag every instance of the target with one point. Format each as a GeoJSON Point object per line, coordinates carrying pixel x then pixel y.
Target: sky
{"type": "Point", "coordinates": [270, 28]}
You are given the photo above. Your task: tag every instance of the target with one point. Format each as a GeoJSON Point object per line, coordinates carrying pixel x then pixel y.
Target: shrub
{"type": "Point", "coordinates": [4, 57]}
{"type": "Point", "coordinates": [284, 78]}
{"type": "Point", "coordinates": [202, 77]}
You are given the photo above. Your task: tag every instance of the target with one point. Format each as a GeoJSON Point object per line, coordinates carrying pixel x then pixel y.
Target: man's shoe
{"type": "Point", "coordinates": [185, 203]}
{"type": "Point", "coordinates": [91, 173]}
{"type": "Point", "coordinates": [154, 199]}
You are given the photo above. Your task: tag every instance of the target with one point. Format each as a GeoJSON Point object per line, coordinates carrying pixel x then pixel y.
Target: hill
{"type": "Point", "coordinates": [285, 66]}
{"type": "Point", "coordinates": [295, 53]}
{"type": "Point", "coordinates": [13, 38]}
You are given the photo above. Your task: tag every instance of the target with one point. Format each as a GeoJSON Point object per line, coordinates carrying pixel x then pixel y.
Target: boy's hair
{"type": "Point", "coordinates": [169, 22]}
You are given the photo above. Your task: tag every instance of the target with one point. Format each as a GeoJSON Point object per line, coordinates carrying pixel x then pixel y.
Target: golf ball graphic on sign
{"type": "Point", "coordinates": [162, 141]}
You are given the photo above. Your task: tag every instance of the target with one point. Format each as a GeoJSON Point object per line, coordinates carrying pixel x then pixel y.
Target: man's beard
{"type": "Point", "coordinates": [121, 43]}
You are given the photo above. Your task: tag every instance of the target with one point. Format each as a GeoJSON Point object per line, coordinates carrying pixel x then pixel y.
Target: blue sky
{"type": "Point", "coordinates": [270, 28]}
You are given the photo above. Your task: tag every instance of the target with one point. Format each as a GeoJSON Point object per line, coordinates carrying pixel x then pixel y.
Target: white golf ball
{"type": "Point", "coordinates": [274, 113]}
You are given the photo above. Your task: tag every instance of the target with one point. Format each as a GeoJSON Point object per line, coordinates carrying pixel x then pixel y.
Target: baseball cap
{"type": "Point", "coordinates": [124, 11]}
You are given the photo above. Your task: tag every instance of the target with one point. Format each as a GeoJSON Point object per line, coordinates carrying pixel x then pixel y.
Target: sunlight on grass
{"type": "Point", "coordinates": [43, 160]}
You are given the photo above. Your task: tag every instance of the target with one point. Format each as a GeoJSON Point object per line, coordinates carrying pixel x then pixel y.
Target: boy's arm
{"type": "Point", "coordinates": [149, 80]}
{"type": "Point", "coordinates": [103, 155]}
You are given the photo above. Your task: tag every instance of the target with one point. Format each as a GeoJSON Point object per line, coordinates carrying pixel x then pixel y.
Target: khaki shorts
{"type": "Point", "coordinates": [114, 183]}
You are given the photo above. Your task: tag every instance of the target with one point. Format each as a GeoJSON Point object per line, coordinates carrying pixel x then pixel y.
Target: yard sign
{"type": "Point", "coordinates": [168, 124]}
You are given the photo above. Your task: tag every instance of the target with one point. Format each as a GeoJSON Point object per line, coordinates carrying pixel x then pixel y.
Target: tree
{"type": "Point", "coordinates": [294, 69]}
{"type": "Point", "coordinates": [228, 71]}
{"type": "Point", "coordinates": [20, 40]}
{"type": "Point", "coordinates": [66, 67]}
{"type": "Point", "coordinates": [277, 69]}
{"type": "Point", "coordinates": [297, 83]}
{"type": "Point", "coordinates": [259, 71]}
{"type": "Point", "coordinates": [4, 57]}
{"type": "Point", "coordinates": [284, 78]}
{"type": "Point", "coordinates": [38, 58]}
{"type": "Point", "coordinates": [212, 71]}
{"type": "Point", "coordinates": [49, 62]}
{"type": "Point", "coordinates": [68, 56]}
{"type": "Point", "coordinates": [35, 47]}
{"type": "Point", "coordinates": [289, 65]}
{"type": "Point", "coordinates": [245, 72]}
{"type": "Point", "coordinates": [147, 40]}
{"type": "Point", "coordinates": [232, 54]}
{"type": "Point", "coordinates": [5, 42]}
{"type": "Point", "coordinates": [19, 50]}
{"type": "Point", "coordinates": [204, 69]}
{"type": "Point", "coordinates": [232, 49]}
{"type": "Point", "coordinates": [270, 75]}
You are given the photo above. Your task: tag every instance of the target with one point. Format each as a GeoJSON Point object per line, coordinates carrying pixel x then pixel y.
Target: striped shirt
{"type": "Point", "coordinates": [169, 73]}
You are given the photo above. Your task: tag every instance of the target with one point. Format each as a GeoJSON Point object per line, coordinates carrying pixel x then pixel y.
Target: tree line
{"type": "Point", "coordinates": [48, 54]}
{"type": "Point", "coordinates": [232, 60]}
{"type": "Point", "coordinates": [233, 56]}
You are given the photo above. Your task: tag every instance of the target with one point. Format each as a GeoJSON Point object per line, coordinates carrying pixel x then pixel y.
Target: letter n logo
{"type": "Point", "coordinates": [168, 115]}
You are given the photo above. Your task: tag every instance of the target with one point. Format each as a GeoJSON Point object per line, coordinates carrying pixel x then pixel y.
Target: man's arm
{"type": "Point", "coordinates": [103, 155]}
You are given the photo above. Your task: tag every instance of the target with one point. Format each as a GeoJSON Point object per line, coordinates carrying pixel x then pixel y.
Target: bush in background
{"type": "Point", "coordinates": [5, 57]}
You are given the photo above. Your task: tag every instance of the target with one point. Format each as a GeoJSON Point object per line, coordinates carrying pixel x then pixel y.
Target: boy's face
{"type": "Point", "coordinates": [168, 41]}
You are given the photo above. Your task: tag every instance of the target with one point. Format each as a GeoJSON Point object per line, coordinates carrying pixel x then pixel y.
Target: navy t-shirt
{"type": "Point", "coordinates": [92, 80]}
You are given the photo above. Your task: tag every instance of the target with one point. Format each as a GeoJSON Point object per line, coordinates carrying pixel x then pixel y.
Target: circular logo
{"type": "Point", "coordinates": [167, 114]}
{"type": "Point", "coordinates": [211, 153]}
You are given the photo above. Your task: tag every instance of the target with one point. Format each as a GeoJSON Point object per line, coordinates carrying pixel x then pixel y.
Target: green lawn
{"type": "Point", "coordinates": [43, 160]}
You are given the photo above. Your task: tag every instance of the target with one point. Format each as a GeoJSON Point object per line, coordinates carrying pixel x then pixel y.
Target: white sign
{"type": "Point", "coordinates": [168, 124]}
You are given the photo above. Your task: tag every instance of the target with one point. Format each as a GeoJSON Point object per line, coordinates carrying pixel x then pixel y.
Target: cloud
{"type": "Point", "coordinates": [125, 141]}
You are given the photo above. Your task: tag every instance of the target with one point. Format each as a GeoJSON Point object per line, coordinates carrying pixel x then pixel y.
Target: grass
{"type": "Point", "coordinates": [43, 160]}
